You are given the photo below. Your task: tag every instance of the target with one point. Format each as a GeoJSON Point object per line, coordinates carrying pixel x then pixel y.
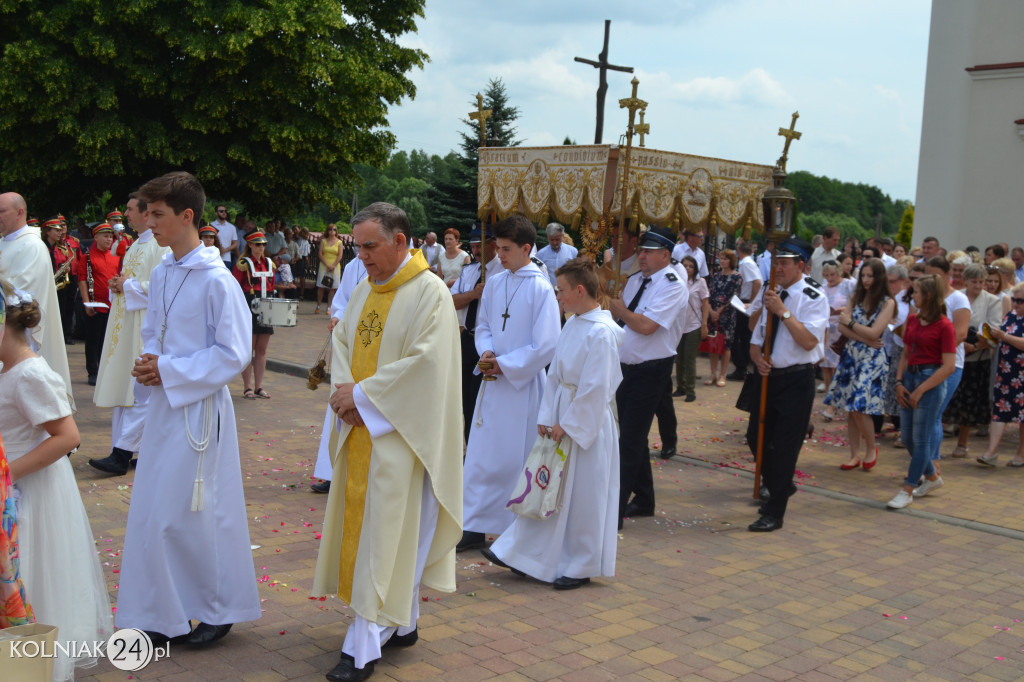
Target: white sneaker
{"type": "Point", "coordinates": [902, 499]}
{"type": "Point", "coordinates": [928, 486]}
{"type": "Point", "coordinates": [821, 387]}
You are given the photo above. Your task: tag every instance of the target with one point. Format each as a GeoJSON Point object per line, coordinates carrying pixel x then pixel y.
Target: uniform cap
{"type": "Point", "coordinates": [102, 227]}
{"type": "Point", "coordinates": [794, 247]}
{"type": "Point", "coordinates": [256, 237]}
{"type": "Point", "coordinates": [657, 238]}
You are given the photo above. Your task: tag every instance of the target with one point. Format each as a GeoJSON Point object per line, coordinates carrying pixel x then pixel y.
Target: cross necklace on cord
{"type": "Point", "coordinates": [508, 301]}
{"type": "Point", "coordinates": [167, 308]}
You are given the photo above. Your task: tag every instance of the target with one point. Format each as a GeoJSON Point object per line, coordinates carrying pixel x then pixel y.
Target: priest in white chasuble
{"type": "Point", "coordinates": [394, 510]}
{"type": "Point", "coordinates": [516, 332]}
{"type": "Point", "coordinates": [187, 552]}
{"type": "Point", "coordinates": [579, 541]}
{"type": "Point", "coordinates": [122, 343]}
{"type": "Point", "coordinates": [25, 264]}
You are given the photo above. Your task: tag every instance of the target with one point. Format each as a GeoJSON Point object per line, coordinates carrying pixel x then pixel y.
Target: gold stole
{"type": "Point", "coordinates": [364, 364]}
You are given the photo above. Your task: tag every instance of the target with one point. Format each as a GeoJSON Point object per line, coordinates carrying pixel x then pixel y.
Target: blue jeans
{"type": "Point", "coordinates": [918, 426]}
{"type": "Point", "coordinates": [950, 384]}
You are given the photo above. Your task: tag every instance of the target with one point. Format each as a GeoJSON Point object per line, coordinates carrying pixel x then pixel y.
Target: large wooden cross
{"type": "Point", "coordinates": [481, 115]}
{"type": "Point", "coordinates": [790, 135]}
{"type": "Point", "coordinates": [603, 66]}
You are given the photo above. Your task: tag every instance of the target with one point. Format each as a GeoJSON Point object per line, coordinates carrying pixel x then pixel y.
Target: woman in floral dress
{"type": "Point", "coordinates": [859, 383]}
{"type": "Point", "coordinates": [722, 319]}
{"type": "Point", "coordinates": [1008, 394]}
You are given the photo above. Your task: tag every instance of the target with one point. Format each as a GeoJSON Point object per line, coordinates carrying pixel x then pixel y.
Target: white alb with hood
{"type": "Point", "coordinates": [180, 562]}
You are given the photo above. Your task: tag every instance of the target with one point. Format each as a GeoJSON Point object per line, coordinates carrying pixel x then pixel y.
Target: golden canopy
{"type": "Point", "coordinates": [665, 188]}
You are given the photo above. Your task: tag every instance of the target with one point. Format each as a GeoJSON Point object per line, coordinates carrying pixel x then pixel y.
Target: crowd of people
{"type": "Point", "coordinates": [563, 368]}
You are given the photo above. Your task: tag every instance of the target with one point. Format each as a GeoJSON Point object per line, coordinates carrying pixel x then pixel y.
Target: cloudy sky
{"type": "Point", "coordinates": [720, 77]}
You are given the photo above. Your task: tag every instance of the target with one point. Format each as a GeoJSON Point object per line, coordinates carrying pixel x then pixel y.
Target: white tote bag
{"type": "Point", "coordinates": [538, 494]}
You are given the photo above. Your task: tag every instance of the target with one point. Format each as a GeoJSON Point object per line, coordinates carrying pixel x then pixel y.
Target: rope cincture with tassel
{"type": "Point", "coordinates": [200, 447]}
{"type": "Point", "coordinates": [318, 372]}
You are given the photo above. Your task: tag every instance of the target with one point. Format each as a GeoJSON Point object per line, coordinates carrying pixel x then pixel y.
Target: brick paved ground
{"type": "Point", "coordinates": [845, 591]}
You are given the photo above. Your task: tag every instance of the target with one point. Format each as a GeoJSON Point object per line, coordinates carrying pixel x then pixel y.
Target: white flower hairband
{"type": "Point", "coordinates": [19, 297]}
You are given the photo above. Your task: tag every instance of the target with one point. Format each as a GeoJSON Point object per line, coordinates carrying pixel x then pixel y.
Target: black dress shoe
{"type": "Point", "coordinates": [678, 393]}
{"type": "Point", "coordinates": [397, 640]}
{"type": "Point", "coordinates": [634, 511]}
{"type": "Point", "coordinates": [92, 379]}
{"type": "Point", "coordinates": [346, 670]}
{"type": "Point", "coordinates": [736, 376]}
{"type": "Point", "coordinates": [205, 634]}
{"type": "Point", "coordinates": [690, 398]}
{"type": "Point", "coordinates": [159, 638]}
{"type": "Point", "coordinates": [567, 583]}
{"type": "Point", "coordinates": [323, 487]}
{"type": "Point", "coordinates": [493, 558]}
{"type": "Point", "coordinates": [667, 453]}
{"type": "Point", "coordinates": [117, 462]}
{"type": "Point", "coordinates": [765, 524]}
{"type": "Point", "coordinates": [471, 540]}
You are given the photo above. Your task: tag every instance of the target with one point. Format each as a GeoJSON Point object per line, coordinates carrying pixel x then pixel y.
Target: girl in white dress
{"type": "Point", "coordinates": [59, 565]}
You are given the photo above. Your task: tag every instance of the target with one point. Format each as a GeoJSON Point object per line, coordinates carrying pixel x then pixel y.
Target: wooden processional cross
{"type": "Point", "coordinates": [603, 66]}
{"type": "Point", "coordinates": [790, 135]}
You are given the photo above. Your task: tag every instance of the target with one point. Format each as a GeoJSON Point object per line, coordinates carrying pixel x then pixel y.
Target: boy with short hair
{"type": "Point", "coordinates": [187, 552]}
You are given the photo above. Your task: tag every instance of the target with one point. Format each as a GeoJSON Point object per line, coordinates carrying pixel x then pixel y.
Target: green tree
{"type": "Point", "coordinates": [267, 103]}
{"type": "Point", "coordinates": [906, 232]}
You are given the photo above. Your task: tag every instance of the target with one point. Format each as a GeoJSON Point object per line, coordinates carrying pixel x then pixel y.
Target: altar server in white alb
{"type": "Point", "coordinates": [579, 541]}
{"type": "Point", "coordinates": [115, 386]}
{"type": "Point", "coordinates": [25, 264]}
{"type": "Point", "coordinates": [186, 553]}
{"type": "Point", "coordinates": [516, 331]}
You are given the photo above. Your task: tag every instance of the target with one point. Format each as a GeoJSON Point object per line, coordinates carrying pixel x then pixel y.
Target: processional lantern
{"type": "Point", "coordinates": [778, 205]}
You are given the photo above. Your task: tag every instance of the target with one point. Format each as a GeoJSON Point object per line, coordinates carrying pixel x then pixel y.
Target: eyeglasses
{"type": "Point", "coordinates": [1017, 301]}
{"type": "Point", "coordinates": [222, 210]}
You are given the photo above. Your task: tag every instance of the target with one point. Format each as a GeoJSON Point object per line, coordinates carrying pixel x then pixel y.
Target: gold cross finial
{"type": "Point", "coordinates": [632, 103]}
{"type": "Point", "coordinates": [790, 135]}
{"type": "Point", "coordinates": [481, 115]}
{"type": "Point", "coordinates": [643, 128]}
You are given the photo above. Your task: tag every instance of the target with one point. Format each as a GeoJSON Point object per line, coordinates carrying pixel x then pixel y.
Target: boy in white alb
{"type": "Point", "coordinates": [187, 554]}
{"type": "Point", "coordinates": [516, 332]}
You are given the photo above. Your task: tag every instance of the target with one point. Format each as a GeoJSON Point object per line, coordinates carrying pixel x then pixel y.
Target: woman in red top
{"type": "Point", "coordinates": [255, 273]}
{"type": "Point", "coordinates": [929, 356]}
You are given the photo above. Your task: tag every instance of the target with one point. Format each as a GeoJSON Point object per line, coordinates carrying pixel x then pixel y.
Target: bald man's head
{"type": "Point", "coordinates": [13, 211]}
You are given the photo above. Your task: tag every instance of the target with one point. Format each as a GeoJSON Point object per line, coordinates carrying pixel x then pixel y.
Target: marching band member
{"type": "Point", "coordinates": [255, 272]}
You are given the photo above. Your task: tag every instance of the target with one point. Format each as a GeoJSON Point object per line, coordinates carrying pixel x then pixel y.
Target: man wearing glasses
{"type": "Point", "coordinates": [227, 235]}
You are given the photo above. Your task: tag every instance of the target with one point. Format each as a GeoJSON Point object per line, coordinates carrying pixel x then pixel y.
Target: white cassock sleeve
{"type": "Point", "coordinates": [136, 295]}
{"type": "Point", "coordinates": [599, 378]}
{"type": "Point", "coordinates": [376, 423]}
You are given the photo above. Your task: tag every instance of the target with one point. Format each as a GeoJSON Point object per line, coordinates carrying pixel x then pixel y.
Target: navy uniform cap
{"type": "Point", "coordinates": [794, 247]}
{"type": "Point", "coordinates": [658, 238]}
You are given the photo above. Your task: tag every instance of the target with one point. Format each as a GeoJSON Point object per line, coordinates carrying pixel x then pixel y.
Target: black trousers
{"type": "Point", "coordinates": [637, 399]}
{"type": "Point", "coordinates": [95, 328]}
{"type": "Point", "coordinates": [787, 413]}
{"type": "Point", "coordinates": [470, 381]}
{"type": "Point", "coordinates": [666, 414]}
{"type": "Point", "coordinates": [66, 302]}
{"type": "Point", "coordinates": [741, 343]}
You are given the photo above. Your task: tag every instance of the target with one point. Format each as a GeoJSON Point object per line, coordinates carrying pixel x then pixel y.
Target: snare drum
{"type": "Point", "coordinates": [276, 312]}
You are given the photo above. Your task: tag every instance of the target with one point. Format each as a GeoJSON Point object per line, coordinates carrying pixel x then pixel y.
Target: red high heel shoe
{"type": "Point", "coordinates": [868, 466]}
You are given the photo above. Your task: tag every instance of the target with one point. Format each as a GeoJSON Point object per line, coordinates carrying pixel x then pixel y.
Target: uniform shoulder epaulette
{"type": "Point", "coordinates": [812, 282]}
{"type": "Point", "coordinates": [673, 261]}
{"type": "Point", "coordinates": [537, 261]}
{"type": "Point", "coordinates": [671, 276]}
{"type": "Point", "coordinates": [242, 266]}
{"type": "Point", "coordinates": [812, 293]}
